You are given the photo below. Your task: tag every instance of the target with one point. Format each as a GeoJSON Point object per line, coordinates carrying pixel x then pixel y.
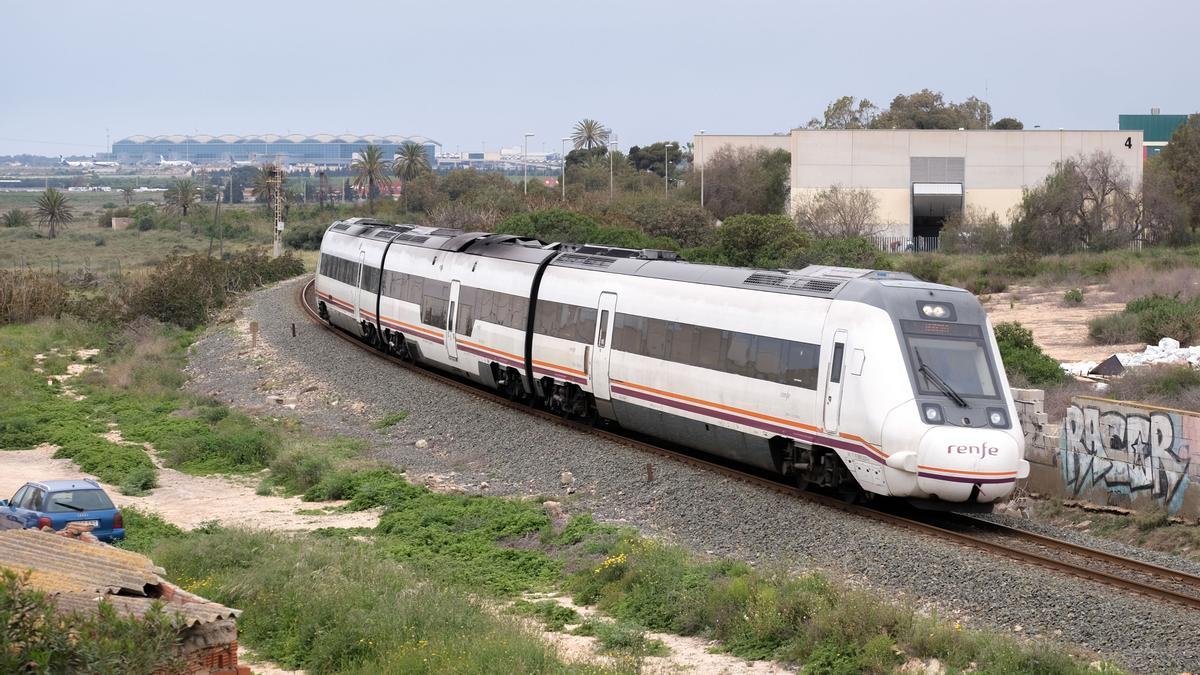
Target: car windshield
{"type": "Point", "coordinates": [78, 500]}
{"type": "Point", "coordinates": [962, 364]}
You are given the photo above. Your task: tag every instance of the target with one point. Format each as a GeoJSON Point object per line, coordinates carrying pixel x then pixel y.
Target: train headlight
{"type": "Point", "coordinates": [932, 413]}
{"type": "Point", "coordinates": [997, 417]}
{"type": "Point", "coordinates": [939, 311]}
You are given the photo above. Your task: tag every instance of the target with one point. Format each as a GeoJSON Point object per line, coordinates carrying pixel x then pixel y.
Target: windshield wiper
{"type": "Point", "coordinates": [938, 382]}
{"type": "Point", "coordinates": [70, 506]}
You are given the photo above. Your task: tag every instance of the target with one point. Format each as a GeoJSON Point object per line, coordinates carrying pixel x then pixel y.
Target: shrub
{"type": "Point", "coordinates": [1023, 357]}
{"type": "Point", "coordinates": [570, 227]}
{"type": "Point", "coordinates": [305, 236]}
{"type": "Point", "coordinates": [1114, 329]}
{"type": "Point", "coordinates": [1150, 319]}
{"type": "Point", "coordinates": [1021, 263]}
{"type": "Point", "coordinates": [924, 266]}
{"type": "Point", "coordinates": [761, 241]}
{"type": "Point", "coordinates": [27, 295]}
{"type": "Point", "coordinates": [1171, 386]}
{"type": "Point", "coordinates": [1073, 297]}
{"type": "Point", "coordinates": [40, 638]}
{"type": "Point", "coordinates": [854, 252]}
{"type": "Point", "coordinates": [15, 218]}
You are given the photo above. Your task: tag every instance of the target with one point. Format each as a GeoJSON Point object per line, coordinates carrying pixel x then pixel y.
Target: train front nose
{"type": "Point", "coordinates": [954, 462]}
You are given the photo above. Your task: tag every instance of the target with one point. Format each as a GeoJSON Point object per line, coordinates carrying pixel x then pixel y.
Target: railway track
{"type": "Point", "coordinates": [1154, 581]}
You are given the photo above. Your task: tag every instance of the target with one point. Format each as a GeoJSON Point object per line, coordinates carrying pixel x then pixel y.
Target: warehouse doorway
{"type": "Point", "coordinates": [931, 203]}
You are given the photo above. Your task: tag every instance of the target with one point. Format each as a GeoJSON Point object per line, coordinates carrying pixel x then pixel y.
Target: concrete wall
{"type": "Point", "coordinates": [704, 145]}
{"type": "Point", "coordinates": [1113, 452]}
{"type": "Point", "coordinates": [998, 164]}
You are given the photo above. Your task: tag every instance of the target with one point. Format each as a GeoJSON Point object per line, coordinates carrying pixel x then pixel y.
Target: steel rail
{"type": "Point", "coordinates": [304, 299]}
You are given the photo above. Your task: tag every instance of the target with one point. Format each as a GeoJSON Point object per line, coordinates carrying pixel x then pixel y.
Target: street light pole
{"type": "Point", "coordinates": [525, 163]}
{"type": "Point", "coordinates": [701, 149]}
{"type": "Point", "coordinates": [666, 167]}
{"type": "Point", "coordinates": [564, 168]}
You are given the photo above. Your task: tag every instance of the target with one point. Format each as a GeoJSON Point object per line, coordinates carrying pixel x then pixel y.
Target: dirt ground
{"type": "Point", "coordinates": [186, 501]}
{"type": "Point", "coordinates": [1058, 328]}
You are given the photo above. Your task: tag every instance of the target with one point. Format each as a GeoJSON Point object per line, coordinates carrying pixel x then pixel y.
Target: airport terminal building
{"type": "Point", "coordinates": [918, 175]}
{"type": "Point", "coordinates": [322, 149]}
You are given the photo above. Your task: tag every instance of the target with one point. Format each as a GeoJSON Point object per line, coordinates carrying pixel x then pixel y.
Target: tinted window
{"type": "Point", "coordinates": [569, 322]}
{"type": "Point", "coordinates": [466, 310]}
{"type": "Point", "coordinates": [78, 500]}
{"type": "Point", "coordinates": [836, 373]}
{"type": "Point", "coordinates": [784, 361]}
{"type": "Point", "coordinates": [16, 498]}
{"type": "Point", "coordinates": [434, 299]}
{"type": "Point", "coordinates": [370, 279]}
{"type": "Point", "coordinates": [33, 499]}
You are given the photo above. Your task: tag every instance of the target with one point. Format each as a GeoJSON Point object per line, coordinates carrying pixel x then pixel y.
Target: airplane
{"type": "Point", "coordinates": [87, 164]}
{"type": "Point", "coordinates": [162, 161]}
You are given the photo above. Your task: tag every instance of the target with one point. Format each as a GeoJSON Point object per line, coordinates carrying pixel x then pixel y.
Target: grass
{"type": "Point", "coordinates": [1151, 529]}
{"type": "Point", "coordinates": [555, 616]}
{"type": "Point", "coordinates": [77, 248]}
{"type": "Point", "coordinates": [390, 420]}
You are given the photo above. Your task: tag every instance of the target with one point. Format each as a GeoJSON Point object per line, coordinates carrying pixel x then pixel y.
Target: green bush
{"type": "Point", "coordinates": [38, 638]}
{"type": "Point", "coordinates": [924, 266]}
{"type": "Point", "coordinates": [771, 241]}
{"type": "Point", "coordinates": [1022, 356]}
{"type": "Point", "coordinates": [305, 236]}
{"type": "Point", "coordinates": [1148, 320]}
{"type": "Point", "coordinates": [560, 225]}
{"type": "Point", "coordinates": [145, 530]}
{"type": "Point", "coordinates": [1073, 296]}
{"type": "Point", "coordinates": [856, 252]}
{"type": "Point", "coordinates": [236, 444]}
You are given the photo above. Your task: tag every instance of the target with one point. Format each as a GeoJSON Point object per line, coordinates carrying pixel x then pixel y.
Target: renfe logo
{"type": "Point", "coordinates": [983, 450]}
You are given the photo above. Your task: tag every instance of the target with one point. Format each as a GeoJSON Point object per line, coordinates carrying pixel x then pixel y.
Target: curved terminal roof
{"type": "Point", "coordinates": [277, 138]}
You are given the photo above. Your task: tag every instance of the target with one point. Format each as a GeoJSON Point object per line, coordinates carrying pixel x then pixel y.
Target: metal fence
{"type": "Point", "coordinates": [907, 244]}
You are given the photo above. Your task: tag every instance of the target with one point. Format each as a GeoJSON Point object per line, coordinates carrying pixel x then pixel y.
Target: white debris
{"type": "Point", "coordinates": [1166, 352]}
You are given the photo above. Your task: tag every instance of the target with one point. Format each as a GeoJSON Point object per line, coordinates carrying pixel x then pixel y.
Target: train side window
{"type": "Point", "coordinates": [520, 312]}
{"type": "Point", "coordinates": [602, 336]}
{"type": "Point", "coordinates": [737, 356]}
{"type": "Point", "coordinates": [683, 343]}
{"type": "Point", "coordinates": [656, 339]}
{"type": "Point", "coordinates": [802, 364]}
{"type": "Point", "coordinates": [708, 348]}
{"type": "Point", "coordinates": [487, 307]}
{"type": "Point", "coordinates": [768, 358]}
{"type": "Point", "coordinates": [466, 310]}
{"type": "Point", "coordinates": [586, 327]}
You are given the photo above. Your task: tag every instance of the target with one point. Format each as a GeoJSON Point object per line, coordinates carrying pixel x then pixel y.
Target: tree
{"type": "Point", "coordinates": [1085, 201]}
{"type": "Point", "coordinates": [845, 113]}
{"type": "Point", "coordinates": [127, 193]}
{"type": "Point", "coordinates": [770, 241]}
{"type": "Point", "coordinates": [1008, 124]}
{"type": "Point", "coordinates": [974, 230]}
{"type": "Point", "coordinates": [15, 218]}
{"type": "Point", "coordinates": [370, 172]}
{"type": "Point", "coordinates": [588, 134]}
{"type": "Point", "coordinates": [181, 196]}
{"type": "Point", "coordinates": [839, 213]}
{"type": "Point", "coordinates": [652, 157]}
{"type": "Point", "coordinates": [742, 181]}
{"type": "Point", "coordinates": [261, 184]}
{"type": "Point", "coordinates": [54, 210]}
{"type": "Point", "coordinates": [1181, 160]}
{"type": "Point", "coordinates": [1163, 216]}
{"type": "Point", "coordinates": [411, 161]}
{"type": "Point", "coordinates": [927, 109]}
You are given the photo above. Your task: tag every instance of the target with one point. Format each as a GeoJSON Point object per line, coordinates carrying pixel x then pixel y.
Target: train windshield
{"type": "Point", "coordinates": [957, 356]}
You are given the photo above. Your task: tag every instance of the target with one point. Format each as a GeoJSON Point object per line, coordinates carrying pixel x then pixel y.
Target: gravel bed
{"type": "Point", "coordinates": [483, 447]}
{"type": "Point", "coordinates": [1099, 543]}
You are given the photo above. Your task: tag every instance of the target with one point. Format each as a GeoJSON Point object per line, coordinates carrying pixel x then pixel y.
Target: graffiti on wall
{"type": "Point", "coordinates": [1128, 450]}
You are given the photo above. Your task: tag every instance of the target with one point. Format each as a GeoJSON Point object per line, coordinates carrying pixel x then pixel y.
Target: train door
{"type": "Point", "coordinates": [452, 321]}
{"type": "Point", "coordinates": [606, 311]}
{"type": "Point", "coordinates": [359, 295]}
{"type": "Point", "coordinates": [833, 382]}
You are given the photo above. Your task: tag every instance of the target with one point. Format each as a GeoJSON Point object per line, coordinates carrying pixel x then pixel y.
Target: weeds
{"type": "Point", "coordinates": [555, 616]}
{"type": "Point", "coordinates": [390, 420]}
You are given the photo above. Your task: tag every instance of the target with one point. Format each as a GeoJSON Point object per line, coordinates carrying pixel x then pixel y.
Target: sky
{"type": "Point", "coordinates": [478, 75]}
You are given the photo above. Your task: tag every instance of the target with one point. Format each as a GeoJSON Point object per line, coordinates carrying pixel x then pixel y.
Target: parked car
{"type": "Point", "coordinates": [58, 503]}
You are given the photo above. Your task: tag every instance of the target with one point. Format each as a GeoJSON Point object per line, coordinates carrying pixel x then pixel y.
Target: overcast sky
{"type": "Point", "coordinates": [476, 74]}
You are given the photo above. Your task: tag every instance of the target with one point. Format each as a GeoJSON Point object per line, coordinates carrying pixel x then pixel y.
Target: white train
{"type": "Point", "coordinates": [850, 379]}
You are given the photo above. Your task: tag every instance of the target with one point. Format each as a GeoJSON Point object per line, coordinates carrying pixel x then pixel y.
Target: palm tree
{"type": "Point", "coordinates": [411, 161]}
{"type": "Point", "coordinates": [261, 186]}
{"type": "Point", "coordinates": [127, 193]}
{"type": "Point", "coordinates": [370, 171]}
{"type": "Point", "coordinates": [54, 210]}
{"type": "Point", "coordinates": [589, 134]}
{"type": "Point", "coordinates": [181, 196]}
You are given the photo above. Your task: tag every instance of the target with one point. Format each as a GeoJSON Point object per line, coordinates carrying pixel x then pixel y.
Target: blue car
{"type": "Point", "coordinates": [58, 503]}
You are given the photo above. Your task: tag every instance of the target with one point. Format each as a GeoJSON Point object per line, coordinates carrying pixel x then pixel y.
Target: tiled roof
{"type": "Point", "coordinates": [79, 574]}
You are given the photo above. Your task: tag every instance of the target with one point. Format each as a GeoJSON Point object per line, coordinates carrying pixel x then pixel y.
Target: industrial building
{"type": "Point", "coordinates": [322, 149]}
{"type": "Point", "coordinates": [1156, 129]}
{"type": "Point", "coordinates": [918, 176]}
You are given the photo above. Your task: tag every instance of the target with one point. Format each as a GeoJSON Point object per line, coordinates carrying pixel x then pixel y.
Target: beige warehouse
{"type": "Point", "coordinates": [919, 175]}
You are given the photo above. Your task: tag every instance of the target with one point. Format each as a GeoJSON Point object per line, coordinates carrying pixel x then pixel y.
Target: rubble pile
{"type": "Point", "coordinates": [1167, 352]}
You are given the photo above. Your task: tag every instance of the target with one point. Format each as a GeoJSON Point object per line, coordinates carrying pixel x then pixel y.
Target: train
{"type": "Point", "coordinates": [861, 382]}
